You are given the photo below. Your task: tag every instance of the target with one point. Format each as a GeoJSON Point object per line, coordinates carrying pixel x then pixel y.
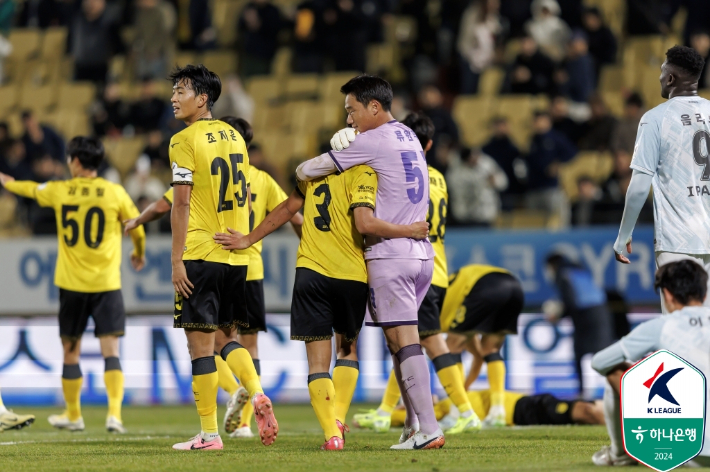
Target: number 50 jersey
{"type": "Point", "coordinates": [331, 244]}
{"type": "Point", "coordinates": [673, 145]}
{"type": "Point", "coordinates": [211, 156]}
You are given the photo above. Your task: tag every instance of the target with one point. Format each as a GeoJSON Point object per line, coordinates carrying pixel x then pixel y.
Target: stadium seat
{"type": "Point", "coordinates": [518, 109]}
{"type": "Point", "coordinates": [473, 114]}
{"type": "Point", "coordinates": [612, 79]}
{"type": "Point", "coordinates": [299, 86]}
{"type": "Point", "coordinates": [512, 48]}
{"type": "Point", "coordinates": [491, 81]}
{"type": "Point", "coordinates": [330, 84]}
{"type": "Point", "coordinates": [614, 101]}
{"type": "Point", "coordinates": [183, 58]}
{"type": "Point", "coordinates": [281, 66]}
{"type": "Point", "coordinates": [304, 117]}
{"type": "Point", "coordinates": [76, 95]}
{"type": "Point", "coordinates": [54, 44]}
{"type": "Point", "coordinates": [14, 123]}
{"type": "Point", "coordinates": [223, 63]}
{"type": "Point", "coordinates": [68, 123]}
{"type": "Point", "coordinates": [25, 44]}
{"type": "Point", "coordinates": [596, 165]}
{"type": "Point", "coordinates": [224, 19]}
{"type": "Point", "coordinates": [122, 153]}
{"type": "Point", "coordinates": [10, 96]}
{"type": "Point", "coordinates": [38, 99]}
{"type": "Point", "coordinates": [270, 119]}
{"type": "Point", "coordinates": [263, 89]}
{"type": "Point", "coordinates": [380, 59]}
{"type": "Point", "coordinates": [280, 148]}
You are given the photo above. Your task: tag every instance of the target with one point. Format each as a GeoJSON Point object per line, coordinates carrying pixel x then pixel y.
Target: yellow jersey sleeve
{"type": "Point", "coordinates": [363, 189]}
{"type": "Point", "coordinates": [27, 189]}
{"type": "Point", "coordinates": [436, 217]}
{"type": "Point", "coordinates": [182, 159]}
{"type": "Point", "coordinates": [275, 194]}
{"type": "Point", "coordinates": [168, 196]}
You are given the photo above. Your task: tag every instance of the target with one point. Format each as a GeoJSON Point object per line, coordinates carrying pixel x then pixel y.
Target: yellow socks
{"type": "Point", "coordinates": [240, 362]}
{"type": "Point", "coordinates": [459, 364]}
{"type": "Point", "coordinates": [451, 379]}
{"type": "Point", "coordinates": [391, 396]}
{"type": "Point", "coordinates": [496, 378]}
{"type": "Point", "coordinates": [322, 392]}
{"type": "Point", "coordinates": [113, 378]}
{"type": "Point", "coordinates": [71, 387]}
{"type": "Point", "coordinates": [345, 376]}
{"type": "Point", "coordinates": [248, 411]}
{"type": "Point", "coordinates": [205, 385]}
{"type": "Point", "coordinates": [227, 382]}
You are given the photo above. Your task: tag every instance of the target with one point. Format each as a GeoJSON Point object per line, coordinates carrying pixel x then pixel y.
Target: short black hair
{"type": "Point", "coordinates": [422, 126]}
{"type": "Point", "coordinates": [201, 80]}
{"type": "Point", "coordinates": [89, 151]}
{"type": "Point", "coordinates": [242, 126]}
{"type": "Point", "coordinates": [687, 59]}
{"type": "Point", "coordinates": [366, 88]}
{"type": "Point", "coordinates": [634, 99]}
{"type": "Point", "coordinates": [685, 279]}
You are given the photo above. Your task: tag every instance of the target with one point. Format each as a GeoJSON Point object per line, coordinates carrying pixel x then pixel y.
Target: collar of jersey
{"type": "Point", "coordinates": [207, 119]}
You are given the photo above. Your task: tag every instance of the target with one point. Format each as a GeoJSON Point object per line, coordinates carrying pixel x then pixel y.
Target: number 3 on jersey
{"type": "Point", "coordinates": [221, 168]}
{"type": "Point", "coordinates": [322, 222]}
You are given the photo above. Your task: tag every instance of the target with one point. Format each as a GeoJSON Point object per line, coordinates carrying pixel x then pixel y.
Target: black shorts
{"type": "Point", "coordinates": [106, 308]}
{"type": "Point", "coordinates": [256, 309]}
{"type": "Point", "coordinates": [492, 306]}
{"type": "Point", "coordinates": [542, 409]}
{"type": "Point", "coordinates": [322, 305]}
{"type": "Point", "coordinates": [218, 299]}
{"type": "Point", "coordinates": [430, 311]}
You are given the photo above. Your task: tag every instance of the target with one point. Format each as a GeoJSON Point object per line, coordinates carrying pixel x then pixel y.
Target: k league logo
{"type": "Point", "coordinates": [663, 411]}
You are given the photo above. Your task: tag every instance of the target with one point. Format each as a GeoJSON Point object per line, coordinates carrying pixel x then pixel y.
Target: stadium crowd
{"type": "Point", "coordinates": [560, 151]}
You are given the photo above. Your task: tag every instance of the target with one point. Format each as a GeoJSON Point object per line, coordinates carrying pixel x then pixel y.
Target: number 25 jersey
{"type": "Point", "coordinates": [673, 145]}
{"type": "Point", "coordinates": [331, 244]}
{"type": "Point", "coordinates": [211, 156]}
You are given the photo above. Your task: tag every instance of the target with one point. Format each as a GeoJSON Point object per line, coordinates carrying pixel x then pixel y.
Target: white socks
{"type": "Point", "coordinates": [612, 416]}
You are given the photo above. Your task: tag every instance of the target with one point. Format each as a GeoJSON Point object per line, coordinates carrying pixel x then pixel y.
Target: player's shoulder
{"type": "Point", "coordinates": [114, 187]}
{"type": "Point", "coordinates": [436, 178]}
{"type": "Point", "coordinates": [656, 114]}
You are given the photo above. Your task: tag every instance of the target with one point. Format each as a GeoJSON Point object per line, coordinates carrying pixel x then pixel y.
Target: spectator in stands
{"type": "Point", "coordinates": [561, 121]}
{"type": "Point", "coordinates": [577, 78]}
{"type": "Point", "coordinates": [614, 189]}
{"type": "Point", "coordinates": [647, 17]}
{"type": "Point", "coordinates": [156, 149]}
{"type": "Point", "coordinates": [624, 134]}
{"type": "Point", "coordinates": [93, 40]}
{"type": "Point", "coordinates": [41, 140]}
{"type": "Point", "coordinates": [588, 197]}
{"type": "Point", "coordinates": [474, 181]}
{"type": "Point", "coordinates": [548, 149]}
{"type": "Point", "coordinates": [602, 43]}
{"type": "Point", "coordinates": [599, 128]}
{"type": "Point", "coordinates": [259, 25]}
{"type": "Point", "coordinates": [4, 137]}
{"type": "Point", "coordinates": [432, 103]}
{"type": "Point", "coordinates": [195, 30]}
{"type": "Point", "coordinates": [146, 114]}
{"type": "Point", "coordinates": [44, 13]}
{"type": "Point", "coordinates": [700, 41]}
{"type": "Point", "coordinates": [517, 12]}
{"type": "Point", "coordinates": [308, 47]}
{"type": "Point", "coordinates": [7, 16]}
{"type": "Point", "coordinates": [531, 72]}
{"type": "Point", "coordinates": [258, 160]}
{"type": "Point", "coordinates": [234, 100]}
{"type": "Point", "coordinates": [14, 161]}
{"type": "Point", "coordinates": [142, 184]}
{"type": "Point", "coordinates": [153, 42]}
{"type": "Point", "coordinates": [506, 154]}
{"type": "Point", "coordinates": [548, 29]}
{"type": "Point", "coordinates": [346, 27]}
{"type": "Point", "coordinates": [480, 27]}
{"type": "Point", "coordinates": [697, 17]}
{"type": "Point", "coordinates": [110, 113]}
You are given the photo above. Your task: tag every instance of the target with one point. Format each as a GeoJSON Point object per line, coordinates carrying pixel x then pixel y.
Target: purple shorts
{"type": "Point", "coordinates": [397, 288]}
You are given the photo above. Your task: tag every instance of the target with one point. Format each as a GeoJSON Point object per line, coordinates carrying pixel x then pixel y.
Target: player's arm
{"type": "Point", "coordinates": [22, 188]}
{"type": "Point", "coordinates": [359, 152]}
{"type": "Point", "coordinates": [179, 218]}
{"type": "Point", "coordinates": [297, 224]}
{"type": "Point", "coordinates": [636, 196]}
{"type": "Point", "coordinates": [632, 347]}
{"type": "Point", "coordinates": [152, 212]}
{"type": "Point", "coordinates": [281, 215]}
{"type": "Point", "coordinates": [368, 225]}
{"type": "Point", "coordinates": [128, 211]}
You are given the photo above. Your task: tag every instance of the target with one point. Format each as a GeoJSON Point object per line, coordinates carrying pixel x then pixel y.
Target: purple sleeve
{"type": "Point", "coordinates": [361, 151]}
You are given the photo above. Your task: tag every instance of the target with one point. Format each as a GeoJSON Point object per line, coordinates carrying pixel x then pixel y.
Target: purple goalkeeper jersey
{"type": "Point", "coordinates": [394, 152]}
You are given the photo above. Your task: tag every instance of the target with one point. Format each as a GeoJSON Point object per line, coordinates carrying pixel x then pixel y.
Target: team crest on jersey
{"type": "Point", "coordinates": [663, 411]}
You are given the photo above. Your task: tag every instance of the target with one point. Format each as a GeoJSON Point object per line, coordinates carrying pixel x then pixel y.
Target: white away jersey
{"type": "Point", "coordinates": [673, 144]}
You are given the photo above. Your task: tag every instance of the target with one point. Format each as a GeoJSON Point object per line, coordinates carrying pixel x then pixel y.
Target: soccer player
{"type": "Point", "coordinates": [683, 286]}
{"type": "Point", "coordinates": [672, 156]}
{"type": "Point", "coordinates": [266, 194]}
{"type": "Point", "coordinates": [330, 291]}
{"type": "Point", "coordinates": [89, 213]}
{"type": "Point", "coordinates": [429, 327]}
{"type": "Point", "coordinates": [11, 420]}
{"type": "Point", "coordinates": [483, 300]}
{"type": "Point", "coordinates": [399, 271]}
{"type": "Point", "coordinates": [211, 180]}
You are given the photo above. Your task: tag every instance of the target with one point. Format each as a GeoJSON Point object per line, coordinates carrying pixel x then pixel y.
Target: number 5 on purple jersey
{"type": "Point", "coordinates": [413, 174]}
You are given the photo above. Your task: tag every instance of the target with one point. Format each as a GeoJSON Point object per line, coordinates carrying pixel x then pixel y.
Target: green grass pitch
{"type": "Point", "coordinates": [152, 431]}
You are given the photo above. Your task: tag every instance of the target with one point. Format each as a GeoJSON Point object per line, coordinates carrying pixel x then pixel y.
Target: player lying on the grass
{"type": "Point", "coordinates": [483, 300]}
{"type": "Point", "coordinates": [89, 213]}
{"type": "Point", "coordinates": [683, 286]}
{"type": "Point", "coordinates": [330, 291]}
{"type": "Point", "coordinates": [11, 420]}
{"type": "Point", "coordinates": [211, 181]}
{"type": "Point", "coordinates": [671, 155]}
{"type": "Point", "coordinates": [399, 270]}
{"type": "Point", "coordinates": [524, 410]}
{"type": "Point", "coordinates": [429, 326]}
{"type": "Point", "coordinates": [266, 194]}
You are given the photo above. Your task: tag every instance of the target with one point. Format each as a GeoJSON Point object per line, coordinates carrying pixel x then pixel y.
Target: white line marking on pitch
{"type": "Point", "coordinates": [143, 438]}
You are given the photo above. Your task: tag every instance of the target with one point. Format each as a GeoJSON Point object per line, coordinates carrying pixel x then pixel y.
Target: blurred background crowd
{"type": "Point", "coordinates": [536, 103]}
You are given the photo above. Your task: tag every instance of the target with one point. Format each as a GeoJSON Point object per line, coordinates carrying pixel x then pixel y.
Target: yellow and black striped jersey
{"type": "Point", "coordinates": [436, 217]}
{"type": "Point", "coordinates": [331, 244]}
{"type": "Point", "coordinates": [89, 214]}
{"type": "Point", "coordinates": [212, 156]}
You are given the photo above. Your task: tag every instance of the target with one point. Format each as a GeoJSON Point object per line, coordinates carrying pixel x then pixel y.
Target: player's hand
{"type": "Point", "coordinates": [137, 262]}
{"type": "Point", "coordinates": [130, 225]}
{"type": "Point", "coordinates": [420, 230]}
{"type": "Point", "coordinates": [182, 284]}
{"type": "Point", "coordinates": [622, 258]}
{"type": "Point", "coordinates": [4, 178]}
{"type": "Point", "coordinates": [233, 240]}
{"type": "Point", "coordinates": [342, 139]}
